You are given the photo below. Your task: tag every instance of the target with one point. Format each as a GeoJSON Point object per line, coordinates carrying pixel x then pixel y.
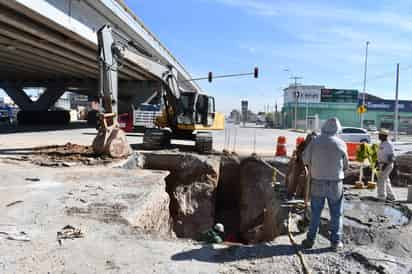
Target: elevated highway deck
{"type": "Point", "coordinates": [53, 44]}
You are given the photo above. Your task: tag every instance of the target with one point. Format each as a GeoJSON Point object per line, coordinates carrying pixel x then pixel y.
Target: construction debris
{"type": "Point", "coordinates": [16, 236]}
{"type": "Point", "coordinates": [32, 179]}
{"type": "Point", "coordinates": [14, 203]}
{"type": "Point", "coordinates": [69, 232]}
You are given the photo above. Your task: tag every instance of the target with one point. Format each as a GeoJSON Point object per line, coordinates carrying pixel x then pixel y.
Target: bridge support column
{"type": "Point", "coordinates": [47, 99]}
{"type": "Point", "coordinates": [37, 112]}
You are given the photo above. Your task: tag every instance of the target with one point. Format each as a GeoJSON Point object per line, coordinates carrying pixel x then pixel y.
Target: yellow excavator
{"type": "Point", "coordinates": [186, 114]}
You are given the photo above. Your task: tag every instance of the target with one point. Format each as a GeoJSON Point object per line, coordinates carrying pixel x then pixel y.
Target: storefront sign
{"type": "Point", "coordinates": [387, 105]}
{"type": "Point", "coordinates": [339, 95]}
{"type": "Point", "coordinates": [302, 94]}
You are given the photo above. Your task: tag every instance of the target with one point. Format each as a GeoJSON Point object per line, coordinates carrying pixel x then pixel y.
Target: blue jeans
{"type": "Point", "coordinates": [333, 192]}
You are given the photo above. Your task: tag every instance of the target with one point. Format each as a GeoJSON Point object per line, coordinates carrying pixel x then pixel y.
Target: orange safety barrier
{"type": "Point", "coordinates": [281, 146]}
{"type": "Point", "coordinates": [299, 140]}
{"type": "Point", "coordinates": [352, 148]}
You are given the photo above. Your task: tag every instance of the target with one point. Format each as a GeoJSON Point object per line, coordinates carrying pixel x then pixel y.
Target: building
{"type": "Point", "coordinates": [311, 105]}
{"type": "Point", "coordinates": [381, 113]}
{"type": "Point", "coordinates": [315, 104]}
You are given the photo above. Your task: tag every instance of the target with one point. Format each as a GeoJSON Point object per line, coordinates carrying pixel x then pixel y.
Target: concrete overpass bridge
{"type": "Point", "coordinates": [52, 44]}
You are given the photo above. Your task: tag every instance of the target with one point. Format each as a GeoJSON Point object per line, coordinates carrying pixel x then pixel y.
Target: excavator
{"type": "Point", "coordinates": [186, 114]}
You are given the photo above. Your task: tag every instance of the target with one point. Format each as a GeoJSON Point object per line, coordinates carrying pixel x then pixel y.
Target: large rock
{"type": "Point", "coordinates": [191, 186]}
{"type": "Point", "coordinates": [259, 208]}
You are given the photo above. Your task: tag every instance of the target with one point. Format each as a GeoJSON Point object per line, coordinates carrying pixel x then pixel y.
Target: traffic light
{"type": "Point", "coordinates": [210, 77]}
{"type": "Point", "coordinates": [256, 72]}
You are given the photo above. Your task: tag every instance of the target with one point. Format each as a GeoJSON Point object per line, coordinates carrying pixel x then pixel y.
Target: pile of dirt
{"type": "Point", "coordinates": [67, 155]}
{"type": "Point", "coordinates": [65, 150]}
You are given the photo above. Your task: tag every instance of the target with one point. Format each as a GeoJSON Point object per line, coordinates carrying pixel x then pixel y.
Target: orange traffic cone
{"type": "Point", "coordinates": [299, 140]}
{"type": "Point", "coordinates": [281, 146]}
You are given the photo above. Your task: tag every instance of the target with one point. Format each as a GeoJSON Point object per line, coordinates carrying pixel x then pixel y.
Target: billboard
{"type": "Point", "coordinates": [387, 105]}
{"type": "Point", "coordinates": [339, 95]}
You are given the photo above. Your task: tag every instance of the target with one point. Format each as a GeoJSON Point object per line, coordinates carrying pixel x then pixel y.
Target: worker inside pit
{"type": "Point", "coordinates": [386, 160]}
{"type": "Point", "coordinates": [296, 176]}
{"type": "Point", "coordinates": [326, 158]}
{"type": "Point", "coordinates": [214, 235]}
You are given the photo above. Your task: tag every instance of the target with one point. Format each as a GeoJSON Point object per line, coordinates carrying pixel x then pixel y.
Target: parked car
{"type": "Point", "coordinates": [355, 135]}
{"type": "Point", "coordinates": [372, 128]}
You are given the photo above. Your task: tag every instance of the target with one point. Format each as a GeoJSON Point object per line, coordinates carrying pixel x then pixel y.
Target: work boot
{"type": "Point", "coordinates": [308, 243]}
{"type": "Point", "coordinates": [337, 246]}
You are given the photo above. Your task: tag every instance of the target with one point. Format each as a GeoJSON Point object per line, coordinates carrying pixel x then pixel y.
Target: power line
{"type": "Point", "coordinates": [382, 75]}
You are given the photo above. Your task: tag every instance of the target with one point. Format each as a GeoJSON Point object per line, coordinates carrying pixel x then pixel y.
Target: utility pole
{"type": "Point", "coordinates": [364, 82]}
{"type": "Point", "coordinates": [396, 125]}
{"type": "Point", "coordinates": [307, 114]}
{"type": "Point", "coordinates": [296, 78]}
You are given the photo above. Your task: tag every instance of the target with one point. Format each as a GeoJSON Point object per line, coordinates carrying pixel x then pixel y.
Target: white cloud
{"type": "Point", "coordinates": [320, 12]}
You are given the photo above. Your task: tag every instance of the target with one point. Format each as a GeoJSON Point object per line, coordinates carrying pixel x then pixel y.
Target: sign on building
{"type": "Point", "coordinates": [387, 105]}
{"type": "Point", "coordinates": [302, 94]}
{"type": "Point", "coordinates": [329, 95]}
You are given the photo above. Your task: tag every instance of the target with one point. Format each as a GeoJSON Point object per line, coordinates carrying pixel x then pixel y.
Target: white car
{"type": "Point", "coordinates": [372, 128]}
{"type": "Point", "coordinates": [355, 135]}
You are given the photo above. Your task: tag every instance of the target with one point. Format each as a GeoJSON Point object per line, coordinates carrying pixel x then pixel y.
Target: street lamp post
{"type": "Point", "coordinates": [307, 114]}
{"type": "Point", "coordinates": [296, 95]}
{"type": "Point", "coordinates": [364, 83]}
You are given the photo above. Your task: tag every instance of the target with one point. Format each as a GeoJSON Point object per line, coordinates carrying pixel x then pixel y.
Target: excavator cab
{"type": "Point", "coordinates": [205, 110]}
{"type": "Point", "coordinates": [196, 109]}
{"type": "Point", "coordinates": [195, 117]}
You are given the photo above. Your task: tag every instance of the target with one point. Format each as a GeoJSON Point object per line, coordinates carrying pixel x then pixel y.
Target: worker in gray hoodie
{"type": "Point", "coordinates": [326, 156]}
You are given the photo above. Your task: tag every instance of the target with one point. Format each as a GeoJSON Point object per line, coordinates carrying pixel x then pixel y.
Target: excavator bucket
{"type": "Point", "coordinates": [111, 141]}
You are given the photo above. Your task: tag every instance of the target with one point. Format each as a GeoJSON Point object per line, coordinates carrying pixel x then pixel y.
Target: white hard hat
{"type": "Point", "coordinates": [219, 227]}
{"type": "Point", "coordinates": [384, 131]}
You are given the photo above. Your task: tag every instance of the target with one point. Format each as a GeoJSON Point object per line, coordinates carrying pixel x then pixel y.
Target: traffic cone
{"type": "Point", "coordinates": [281, 146]}
{"type": "Point", "coordinates": [299, 140]}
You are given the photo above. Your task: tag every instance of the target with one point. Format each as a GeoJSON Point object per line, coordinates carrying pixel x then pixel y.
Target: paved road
{"type": "Point", "coordinates": [243, 140]}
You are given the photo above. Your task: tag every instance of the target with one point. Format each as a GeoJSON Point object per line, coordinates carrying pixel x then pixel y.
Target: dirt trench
{"type": "Point", "coordinates": [204, 190]}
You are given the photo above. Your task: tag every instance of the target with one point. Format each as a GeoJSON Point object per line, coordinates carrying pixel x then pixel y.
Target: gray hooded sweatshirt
{"type": "Point", "coordinates": [326, 155]}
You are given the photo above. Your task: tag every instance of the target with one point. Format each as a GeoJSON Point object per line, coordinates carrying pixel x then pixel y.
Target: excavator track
{"type": "Point", "coordinates": [204, 142]}
{"type": "Point", "coordinates": [155, 138]}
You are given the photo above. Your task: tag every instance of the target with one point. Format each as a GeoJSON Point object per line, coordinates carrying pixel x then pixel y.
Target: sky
{"type": "Point", "coordinates": [321, 41]}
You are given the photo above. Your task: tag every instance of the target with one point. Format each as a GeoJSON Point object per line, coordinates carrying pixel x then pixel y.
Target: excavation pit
{"type": "Point", "coordinates": [204, 190]}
